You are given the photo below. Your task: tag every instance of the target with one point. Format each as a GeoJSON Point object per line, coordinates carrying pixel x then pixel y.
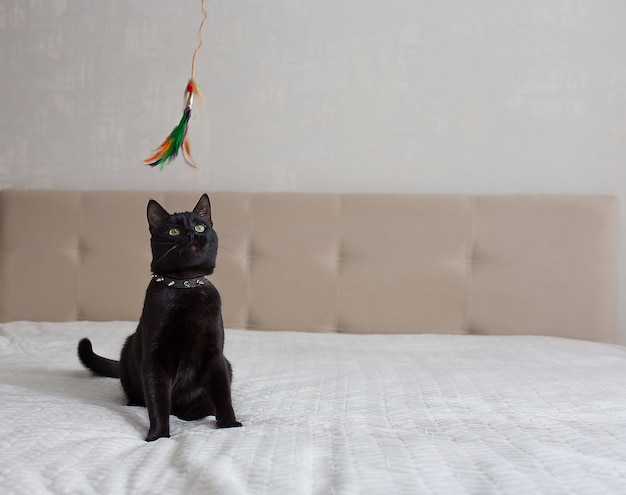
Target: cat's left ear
{"type": "Point", "coordinates": [156, 214]}
{"type": "Point", "coordinates": [203, 208]}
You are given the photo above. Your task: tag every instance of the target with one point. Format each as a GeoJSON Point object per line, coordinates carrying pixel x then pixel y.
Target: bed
{"type": "Point", "coordinates": [381, 343]}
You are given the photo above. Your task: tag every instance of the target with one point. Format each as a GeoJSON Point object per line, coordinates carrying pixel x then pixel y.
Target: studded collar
{"type": "Point", "coordinates": [178, 283]}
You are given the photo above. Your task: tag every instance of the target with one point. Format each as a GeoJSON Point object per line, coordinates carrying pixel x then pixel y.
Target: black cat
{"type": "Point", "coordinates": [174, 362]}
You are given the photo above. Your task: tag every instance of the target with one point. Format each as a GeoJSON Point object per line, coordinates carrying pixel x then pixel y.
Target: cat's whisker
{"type": "Point", "coordinates": [228, 226]}
{"type": "Point", "coordinates": [222, 230]}
{"type": "Point", "coordinates": [166, 253]}
{"type": "Point", "coordinates": [226, 236]}
{"type": "Point", "coordinates": [222, 248]}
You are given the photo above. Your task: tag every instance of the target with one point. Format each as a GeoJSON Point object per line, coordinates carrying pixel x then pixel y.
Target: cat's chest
{"type": "Point", "coordinates": [182, 321]}
{"type": "Point", "coordinates": [190, 305]}
{"type": "Point", "coordinates": [187, 327]}
{"type": "Point", "coordinates": [184, 346]}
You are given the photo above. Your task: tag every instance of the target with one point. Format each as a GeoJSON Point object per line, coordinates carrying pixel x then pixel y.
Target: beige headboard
{"type": "Point", "coordinates": [328, 262]}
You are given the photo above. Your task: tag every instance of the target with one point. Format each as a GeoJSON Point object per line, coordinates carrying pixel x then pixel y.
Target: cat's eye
{"type": "Point", "coordinates": [200, 228]}
{"type": "Point", "coordinates": [174, 231]}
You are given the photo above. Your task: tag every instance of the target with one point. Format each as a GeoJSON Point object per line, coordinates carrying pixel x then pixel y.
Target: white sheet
{"type": "Point", "coordinates": [324, 414]}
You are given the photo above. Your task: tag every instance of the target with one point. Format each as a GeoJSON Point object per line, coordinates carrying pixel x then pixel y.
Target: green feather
{"type": "Point", "coordinates": [174, 141]}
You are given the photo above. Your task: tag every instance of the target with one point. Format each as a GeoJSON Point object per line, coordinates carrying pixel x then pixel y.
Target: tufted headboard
{"type": "Point", "coordinates": [356, 263]}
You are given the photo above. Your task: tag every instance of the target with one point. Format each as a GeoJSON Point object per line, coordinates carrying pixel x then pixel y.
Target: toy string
{"type": "Point", "coordinates": [177, 139]}
{"type": "Point", "coordinates": [193, 59]}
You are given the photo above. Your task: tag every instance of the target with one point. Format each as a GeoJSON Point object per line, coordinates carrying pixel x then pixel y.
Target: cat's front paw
{"type": "Point", "coordinates": [155, 435]}
{"type": "Point", "coordinates": [229, 424]}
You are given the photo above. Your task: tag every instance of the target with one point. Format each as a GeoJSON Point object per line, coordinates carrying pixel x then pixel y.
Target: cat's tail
{"type": "Point", "coordinates": [98, 364]}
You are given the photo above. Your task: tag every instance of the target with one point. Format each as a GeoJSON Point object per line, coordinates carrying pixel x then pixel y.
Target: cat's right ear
{"type": "Point", "coordinates": [203, 208]}
{"type": "Point", "coordinates": [156, 214]}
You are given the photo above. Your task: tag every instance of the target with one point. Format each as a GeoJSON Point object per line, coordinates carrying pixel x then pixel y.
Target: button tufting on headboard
{"type": "Point", "coordinates": [328, 262]}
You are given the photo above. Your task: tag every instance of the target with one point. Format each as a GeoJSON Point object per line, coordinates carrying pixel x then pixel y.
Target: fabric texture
{"type": "Point", "coordinates": [323, 413]}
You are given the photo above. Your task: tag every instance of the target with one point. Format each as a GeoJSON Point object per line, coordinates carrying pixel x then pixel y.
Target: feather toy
{"type": "Point", "coordinates": [177, 141]}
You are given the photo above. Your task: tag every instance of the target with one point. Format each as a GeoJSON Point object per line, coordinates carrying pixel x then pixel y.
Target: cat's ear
{"type": "Point", "coordinates": [203, 208]}
{"type": "Point", "coordinates": [156, 214]}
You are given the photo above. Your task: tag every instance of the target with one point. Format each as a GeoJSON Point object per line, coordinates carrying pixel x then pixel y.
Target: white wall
{"type": "Point", "coordinates": [319, 95]}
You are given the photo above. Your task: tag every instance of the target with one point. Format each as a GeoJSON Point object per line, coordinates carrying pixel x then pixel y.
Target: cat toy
{"type": "Point", "coordinates": [178, 141]}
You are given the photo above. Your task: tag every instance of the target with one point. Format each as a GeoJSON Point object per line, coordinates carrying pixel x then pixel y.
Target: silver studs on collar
{"type": "Point", "coordinates": [180, 283]}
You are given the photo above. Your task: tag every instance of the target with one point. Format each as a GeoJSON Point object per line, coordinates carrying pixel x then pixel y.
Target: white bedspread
{"type": "Point", "coordinates": [323, 414]}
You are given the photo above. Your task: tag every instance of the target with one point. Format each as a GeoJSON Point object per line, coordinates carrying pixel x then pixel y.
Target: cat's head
{"type": "Point", "coordinates": [183, 244]}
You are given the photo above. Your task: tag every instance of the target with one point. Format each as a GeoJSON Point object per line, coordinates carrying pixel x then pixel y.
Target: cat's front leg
{"type": "Point", "coordinates": [158, 396]}
{"type": "Point", "coordinates": [219, 392]}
